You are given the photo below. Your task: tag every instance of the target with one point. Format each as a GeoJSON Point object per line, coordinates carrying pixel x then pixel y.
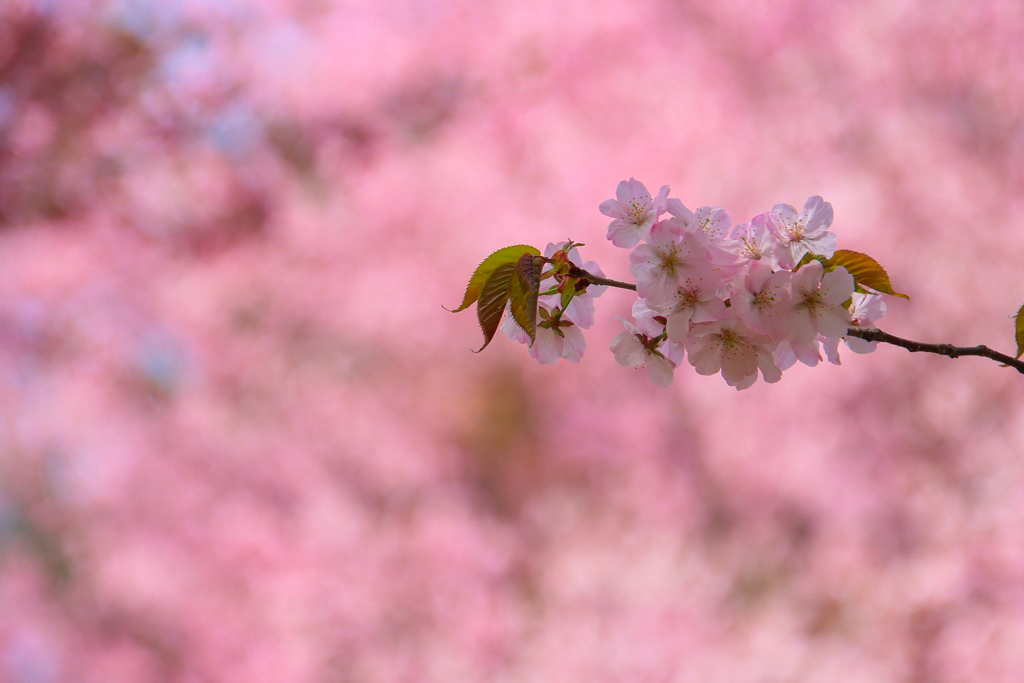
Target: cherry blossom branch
{"type": "Point", "coordinates": [876, 335]}
{"type": "Point", "coordinates": [749, 301]}
{"type": "Point", "coordinates": [873, 335]}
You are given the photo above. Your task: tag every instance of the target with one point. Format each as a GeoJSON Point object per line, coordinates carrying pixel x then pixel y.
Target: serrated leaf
{"type": "Point", "coordinates": [493, 299]}
{"type": "Point", "coordinates": [524, 289]}
{"type": "Point", "coordinates": [865, 270]}
{"type": "Point", "coordinates": [485, 269]}
{"type": "Point", "coordinates": [1020, 332]}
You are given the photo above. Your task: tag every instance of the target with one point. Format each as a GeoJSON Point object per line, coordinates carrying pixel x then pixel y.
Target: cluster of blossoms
{"type": "Point", "coordinates": [735, 299]}
{"type": "Point", "coordinates": [739, 300]}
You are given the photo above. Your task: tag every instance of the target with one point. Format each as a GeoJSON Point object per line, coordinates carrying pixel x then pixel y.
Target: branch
{"type": "Point", "coordinates": [872, 334]}
{"type": "Point", "coordinates": [875, 335]}
{"type": "Point", "coordinates": [595, 280]}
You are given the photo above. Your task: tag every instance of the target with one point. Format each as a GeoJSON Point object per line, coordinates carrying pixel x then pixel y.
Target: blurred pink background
{"type": "Point", "coordinates": [242, 441]}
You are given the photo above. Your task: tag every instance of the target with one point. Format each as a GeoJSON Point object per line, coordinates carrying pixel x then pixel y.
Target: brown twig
{"type": "Point", "coordinates": [876, 335]}
{"type": "Point", "coordinates": [595, 280]}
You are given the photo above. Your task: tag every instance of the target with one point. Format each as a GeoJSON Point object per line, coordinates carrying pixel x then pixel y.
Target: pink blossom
{"type": "Point", "coordinates": [806, 232]}
{"type": "Point", "coordinates": [634, 212]}
{"type": "Point", "coordinates": [758, 297]}
{"type": "Point", "coordinates": [651, 323]}
{"type": "Point", "coordinates": [755, 241]}
{"type": "Point", "coordinates": [714, 222]}
{"type": "Point", "coordinates": [731, 347]}
{"type": "Point", "coordinates": [633, 349]}
{"type": "Point", "coordinates": [672, 261]}
{"type": "Point", "coordinates": [693, 305]}
{"type": "Point", "coordinates": [816, 304]}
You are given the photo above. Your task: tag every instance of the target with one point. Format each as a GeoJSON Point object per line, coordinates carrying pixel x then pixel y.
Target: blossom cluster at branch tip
{"type": "Point", "coordinates": [741, 301]}
{"type": "Point", "coordinates": [564, 309]}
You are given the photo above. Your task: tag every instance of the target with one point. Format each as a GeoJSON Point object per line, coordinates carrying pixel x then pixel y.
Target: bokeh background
{"type": "Point", "coordinates": [242, 441]}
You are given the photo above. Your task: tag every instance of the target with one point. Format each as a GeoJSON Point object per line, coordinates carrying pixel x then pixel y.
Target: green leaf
{"type": "Point", "coordinates": [486, 269]}
{"type": "Point", "coordinates": [1020, 333]}
{"type": "Point", "coordinates": [523, 291]}
{"type": "Point", "coordinates": [493, 298]}
{"type": "Point", "coordinates": [865, 270]}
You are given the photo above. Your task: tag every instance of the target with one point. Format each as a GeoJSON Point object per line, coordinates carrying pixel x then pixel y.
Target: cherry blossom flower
{"type": "Point", "coordinates": [801, 233]}
{"type": "Point", "coordinates": [653, 324]}
{"type": "Point", "coordinates": [693, 304]}
{"type": "Point", "coordinates": [672, 261]}
{"type": "Point", "coordinates": [634, 212]}
{"type": "Point", "coordinates": [755, 241]}
{"type": "Point", "coordinates": [816, 304]}
{"type": "Point", "coordinates": [731, 347]}
{"type": "Point", "coordinates": [713, 221]}
{"type": "Point", "coordinates": [758, 296]}
{"type": "Point", "coordinates": [634, 349]}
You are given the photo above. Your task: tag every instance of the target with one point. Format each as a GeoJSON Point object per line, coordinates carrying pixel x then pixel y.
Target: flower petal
{"type": "Point", "coordinates": [659, 371]}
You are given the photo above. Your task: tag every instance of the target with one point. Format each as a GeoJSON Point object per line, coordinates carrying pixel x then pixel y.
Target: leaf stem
{"type": "Point", "coordinates": [875, 335]}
